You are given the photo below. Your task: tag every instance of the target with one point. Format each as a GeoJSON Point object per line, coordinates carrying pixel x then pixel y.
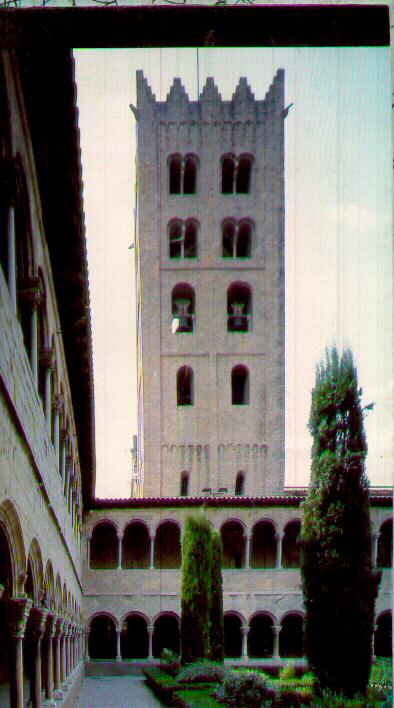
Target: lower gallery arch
{"type": "Point", "coordinates": [233, 540]}
{"type": "Point", "coordinates": [232, 635]}
{"type": "Point", "coordinates": [168, 545]}
{"type": "Point", "coordinates": [13, 531]}
{"type": "Point", "coordinates": [166, 635]}
{"type": "Point", "coordinates": [383, 635]}
{"type": "Point", "coordinates": [102, 637]}
{"type": "Point", "coordinates": [6, 583]}
{"type": "Point", "coordinates": [291, 636]}
{"type": "Point", "coordinates": [134, 642]}
{"type": "Point", "coordinates": [260, 637]}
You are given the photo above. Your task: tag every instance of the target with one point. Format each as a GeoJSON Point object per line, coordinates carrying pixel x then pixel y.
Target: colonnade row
{"type": "Point", "coordinates": [42, 652]}
{"type": "Point", "coordinates": [29, 302]}
{"type": "Point", "coordinates": [262, 636]}
{"type": "Point", "coordinates": [262, 547]}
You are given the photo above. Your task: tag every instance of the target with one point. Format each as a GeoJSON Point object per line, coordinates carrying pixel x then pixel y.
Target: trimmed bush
{"type": "Point", "coordinates": [202, 672]}
{"type": "Point", "coordinates": [245, 688]}
{"type": "Point", "coordinates": [288, 672]}
{"type": "Point", "coordinates": [169, 662]}
{"type": "Point", "coordinates": [216, 629]}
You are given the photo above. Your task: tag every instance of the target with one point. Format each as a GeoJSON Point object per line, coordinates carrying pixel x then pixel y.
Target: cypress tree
{"type": "Point", "coordinates": [339, 584]}
{"type": "Point", "coordinates": [195, 592]}
{"type": "Point", "coordinates": [216, 638]}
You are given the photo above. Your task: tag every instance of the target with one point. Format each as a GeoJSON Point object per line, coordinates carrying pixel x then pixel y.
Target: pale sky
{"type": "Point", "coordinates": [339, 257]}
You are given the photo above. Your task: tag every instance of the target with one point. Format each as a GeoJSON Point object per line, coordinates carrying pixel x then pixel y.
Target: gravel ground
{"type": "Point", "coordinates": [119, 691]}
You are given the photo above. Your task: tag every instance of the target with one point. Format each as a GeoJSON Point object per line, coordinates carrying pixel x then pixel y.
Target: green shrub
{"type": "Point", "coordinates": [288, 672]}
{"type": "Point", "coordinates": [292, 697]}
{"type": "Point", "coordinates": [245, 688]}
{"type": "Point", "coordinates": [201, 672]}
{"type": "Point", "coordinates": [170, 662]}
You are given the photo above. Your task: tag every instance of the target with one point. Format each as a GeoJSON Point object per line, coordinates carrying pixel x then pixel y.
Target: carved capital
{"type": "Point", "coordinates": [59, 627]}
{"type": "Point", "coordinates": [57, 404]}
{"type": "Point", "coordinates": [50, 628]}
{"type": "Point", "coordinates": [15, 613]}
{"type": "Point", "coordinates": [47, 357]}
{"type": "Point", "coordinates": [36, 622]}
{"type": "Point", "coordinates": [31, 291]}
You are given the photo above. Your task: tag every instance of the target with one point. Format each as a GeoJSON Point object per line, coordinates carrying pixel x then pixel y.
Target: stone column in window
{"type": "Point", "coordinates": [46, 361]}
{"type": "Point", "coordinates": [16, 613]}
{"type": "Point", "coordinates": [86, 641]}
{"type": "Point", "coordinates": [375, 540]}
{"type": "Point", "coordinates": [63, 451]}
{"type": "Point", "coordinates": [276, 631]}
{"type": "Point", "coordinates": [150, 642]}
{"type": "Point", "coordinates": [119, 552]}
{"type": "Point", "coordinates": [11, 265]}
{"type": "Point", "coordinates": [247, 550]}
{"type": "Point", "coordinates": [56, 408]}
{"type": "Point", "coordinates": [50, 631]}
{"type": "Point", "coordinates": [57, 693]}
{"type": "Point", "coordinates": [68, 476]}
{"type": "Point", "coordinates": [245, 631]}
{"type": "Point", "coordinates": [152, 553]}
{"type": "Point", "coordinates": [88, 551]}
{"type": "Point", "coordinates": [375, 629]}
{"type": "Point", "coordinates": [118, 650]}
{"type": "Point", "coordinates": [63, 664]}
{"type": "Point", "coordinates": [183, 162]}
{"type": "Point", "coordinates": [279, 540]}
{"type": "Point", "coordinates": [35, 629]}
{"type": "Point", "coordinates": [33, 295]}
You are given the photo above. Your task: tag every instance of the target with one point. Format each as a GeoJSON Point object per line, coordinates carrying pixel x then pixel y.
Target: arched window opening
{"type": "Point", "coordinates": [233, 541]}
{"type": "Point", "coordinates": [232, 636]}
{"type": "Point", "coordinates": [291, 637]}
{"type": "Point", "coordinates": [239, 386]}
{"type": "Point", "coordinates": [102, 638]}
{"type": "Point", "coordinates": [190, 242]}
{"type": "Point", "coordinates": [185, 386]}
{"type": "Point", "coordinates": [184, 491]}
{"type": "Point", "coordinates": [228, 174]}
{"type": "Point", "coordinates": [175, 237]}
{"type": "Point", "coordinates": [136, 546]}
{"type": "Point", "coordinates": [228, 239]}
{"type": "Point", "coordinates": [239, 308]}
{"type": "Point", "coordinates": [6, 579]}
{"type": "Point", "coordinates": [167, 546]}
{"type": "Point", "coordinates": [260, 637]}
{"type": "Point", "coordinates": [239, 484]}
{"type": "Point", "coordinates": [291, 545]}
{"type": "Point", "coordinates": [383, 635]}
{"type": "Point", "coordinates": [263, 546]}
{"type": "Point", "coordinates": [134, 641]}
{"type": "Point", "coordinates": [243, 175]}
{"type": "Point", "coordinates": [104, 547]}
{"type": "Point", "coordinates": [182, 239]}
{"type": "Point", "coordinates": [243, 247]}
{"type": "Point", "coordinates": [175, 168]}
{"type": "Point", "coordinates": [183, 308]}
{"type": "Point", "coordinates": [385, 545]}
{"type": "Point", "coordinates": [29, 584]}
{"type": "Point", "coordinates": [190, 175]}
{"type": "Point", "coordinates": [166, 635]}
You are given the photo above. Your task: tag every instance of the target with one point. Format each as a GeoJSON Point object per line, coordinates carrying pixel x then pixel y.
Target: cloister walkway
{"type": "Point", "coordinates": [119, 691]}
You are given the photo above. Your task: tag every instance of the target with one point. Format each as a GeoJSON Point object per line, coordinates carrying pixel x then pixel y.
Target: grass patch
{"type": "Point", "coordinates": [195, 697]}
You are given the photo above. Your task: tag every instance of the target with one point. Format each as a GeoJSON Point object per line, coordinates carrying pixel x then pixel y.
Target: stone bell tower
{"type": "Point", "coordinates": [210, 291]}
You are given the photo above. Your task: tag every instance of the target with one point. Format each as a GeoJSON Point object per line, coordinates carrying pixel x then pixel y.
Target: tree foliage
{"type": "Point", "coordinates": [216, 628]}
{"type": "Point", "coordinates": [339, 584]}
{"type": "Point", "coordinates": [195, 593]}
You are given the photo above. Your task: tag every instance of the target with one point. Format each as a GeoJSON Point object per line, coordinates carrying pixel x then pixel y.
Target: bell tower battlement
{"type": "Point", "coordinates": [211, 291]}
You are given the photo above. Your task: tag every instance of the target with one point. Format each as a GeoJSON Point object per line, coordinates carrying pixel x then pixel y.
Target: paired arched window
{"type": "Point", "coordinates": [239, 308]}
{"type": "Point", "coordinates": [239, 385]}
{"type": "Point", "coordinates": [236, 174]}
{"type": "Point", "coordinates": [183, 308]}
{"type": "Point", "coordinates": [185, 386]}
{"type": "Point", "coordinates": [236, 239]}
{"type": "Point", "coordinates": [184, 486]}
{"type": "Point", "coordinates": [182, 172]}
{"type": "Point", "coordinates": [182, 238]}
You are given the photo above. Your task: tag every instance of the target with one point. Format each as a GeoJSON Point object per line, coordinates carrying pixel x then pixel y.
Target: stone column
{"type": "Point", "coordinates": [118, 649]}
{"type": "Point", "coordinates": [276, 631]}
{"type": "Point", "coordinates": [63, 447]}
{"type": "Point", "coordinates": [35, 631]}
{"type": "Point", "coordinates": [375, 540]}
{"type": "Point", "coordinates": [152, 552]}
{"type": "Point", "coordinates": [46, 361]}
{"type": "Point", "coordinates": [11, 264]}
{"type": "Point", "coordinates": [50, 631]}
{"type": "Point", "coordinates": [279, 540]}
{"type": "Point", "coordinates": [119, 552]}
{"type": "Point", "coordinates": [56, 408]}
{"type": "Point", "coordinates": [245, 631]}
{"type": "Point", "coordinates": [64, 655]}
{"type": "Point", "coordinates": [375, 629]}
{"type": "Point", "coordinates": [247, 550]}
{"type": "Point", "coordinates": [57, 693]}
{"type": "Point", "coordinates": [88, 551]}
{"type": "Point", "coordinates": [87, 632]}
{"type": "Point", "coordinates": [182, 176]}
{"type": "Point", "coordinates": [69, 652]}
{"type": "Point", "coordinates": [15, 614]}
{"type": "Point", "coordinates": [150, 639]}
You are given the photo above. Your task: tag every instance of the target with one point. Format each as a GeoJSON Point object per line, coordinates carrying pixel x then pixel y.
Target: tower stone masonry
{"type": "Point", "coordinates": [210, 291]}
